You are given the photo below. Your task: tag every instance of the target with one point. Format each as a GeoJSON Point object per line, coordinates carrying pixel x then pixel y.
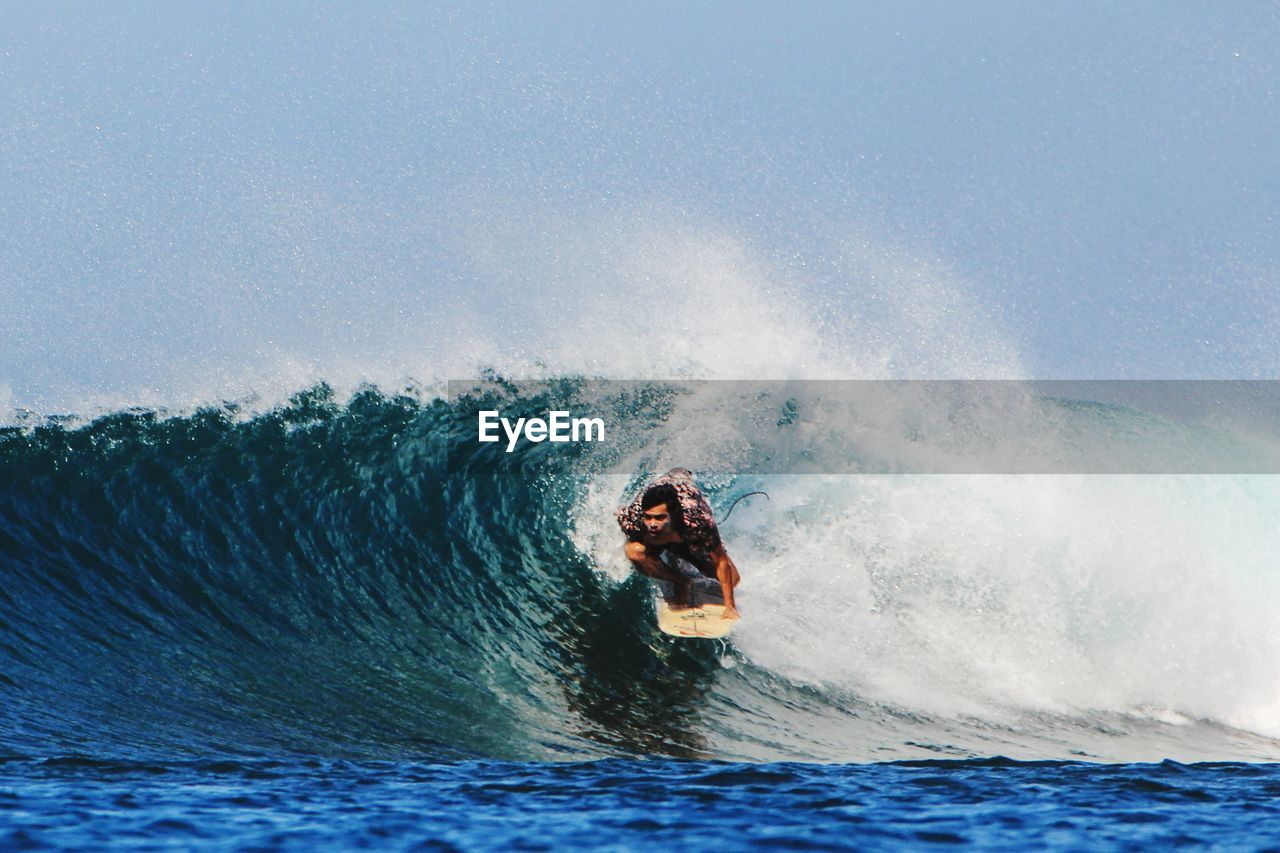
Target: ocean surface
{"type": "Point", "coordinates": [621, 804]}
{"type": "Point", "coordinates": [344, 622]}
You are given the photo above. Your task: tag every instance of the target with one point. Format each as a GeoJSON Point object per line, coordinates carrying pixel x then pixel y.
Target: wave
{"type": "Point", "coordinates": [336, 578]}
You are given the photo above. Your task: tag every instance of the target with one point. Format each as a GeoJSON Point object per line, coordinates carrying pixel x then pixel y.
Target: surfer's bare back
{"type": "Point", "coordinates": [672, 515]}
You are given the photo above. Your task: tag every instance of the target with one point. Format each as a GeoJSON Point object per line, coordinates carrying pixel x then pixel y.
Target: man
{"type": "Point", "coordinates": [672, 515]}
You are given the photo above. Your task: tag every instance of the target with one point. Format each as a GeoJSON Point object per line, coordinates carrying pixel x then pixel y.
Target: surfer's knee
{"type": "Point", "coordinates": [635, 551]}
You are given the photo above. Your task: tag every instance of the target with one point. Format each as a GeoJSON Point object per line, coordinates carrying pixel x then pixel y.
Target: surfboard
{"type": "Point", "coordinates": [704, 619]}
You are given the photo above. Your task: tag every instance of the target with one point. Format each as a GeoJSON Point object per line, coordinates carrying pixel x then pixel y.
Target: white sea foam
{"type": "Point", "coordinates": [981, 595]}
{"type": "Point", "coordinates": [990, 596]}
{"type": "Point", "coordinates": [612, 294]}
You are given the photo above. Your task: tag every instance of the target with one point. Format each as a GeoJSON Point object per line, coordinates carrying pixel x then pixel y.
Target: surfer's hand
{"type": "Point", "coordinates": [730, 612]}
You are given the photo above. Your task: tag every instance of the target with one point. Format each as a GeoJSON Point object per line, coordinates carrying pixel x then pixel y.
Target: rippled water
{"type": "Point", "coordinates": [629, 804]}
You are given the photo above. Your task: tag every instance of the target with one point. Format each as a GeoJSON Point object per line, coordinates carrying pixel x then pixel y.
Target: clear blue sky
{"type": "Point", "coordinates": [189, 186]}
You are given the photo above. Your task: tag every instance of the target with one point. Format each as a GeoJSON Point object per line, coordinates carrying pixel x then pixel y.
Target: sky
{"type": "Point", "coordinates": [201, 200]}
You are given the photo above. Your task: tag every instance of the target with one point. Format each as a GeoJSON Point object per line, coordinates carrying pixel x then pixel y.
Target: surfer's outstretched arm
{"type": "Point", "coordinates": [727, 574]}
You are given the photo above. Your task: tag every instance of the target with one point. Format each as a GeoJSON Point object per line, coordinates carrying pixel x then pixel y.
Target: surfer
{"type": "Point", "coordinates": [672, 515]}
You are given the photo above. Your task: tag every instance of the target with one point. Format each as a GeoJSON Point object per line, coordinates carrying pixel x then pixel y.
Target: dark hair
{"type": "Point", "coordinates": [664, 493]}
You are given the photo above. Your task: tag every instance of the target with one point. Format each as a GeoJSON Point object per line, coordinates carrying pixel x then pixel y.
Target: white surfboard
{"type": "Point", "coordinates": [704, 618]}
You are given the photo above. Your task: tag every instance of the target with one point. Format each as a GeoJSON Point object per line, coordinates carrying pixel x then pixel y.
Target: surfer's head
{"type": "Point", "coordinates": [660, 510]}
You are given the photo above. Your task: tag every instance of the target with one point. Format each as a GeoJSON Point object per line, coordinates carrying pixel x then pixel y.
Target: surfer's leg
{"type": "Point", "coordinates": [651, 566]}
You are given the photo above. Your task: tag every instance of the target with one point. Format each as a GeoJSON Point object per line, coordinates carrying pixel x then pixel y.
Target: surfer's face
{"type": "Point", "coordinates": [657, 520]}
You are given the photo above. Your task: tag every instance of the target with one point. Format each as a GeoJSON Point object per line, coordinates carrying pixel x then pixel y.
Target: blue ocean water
{"type": "Point", "coordinates": [630, 804]}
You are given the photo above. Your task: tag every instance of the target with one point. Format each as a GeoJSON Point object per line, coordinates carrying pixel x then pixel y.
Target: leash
{"type": "Point", "coordinates": [735, 503]}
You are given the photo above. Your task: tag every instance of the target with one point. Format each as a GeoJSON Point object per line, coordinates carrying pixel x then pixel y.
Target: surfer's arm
{"type": "Point", "coordinates": [647, 564]}
{"type": "Point", "coordinates": [727, 574]}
